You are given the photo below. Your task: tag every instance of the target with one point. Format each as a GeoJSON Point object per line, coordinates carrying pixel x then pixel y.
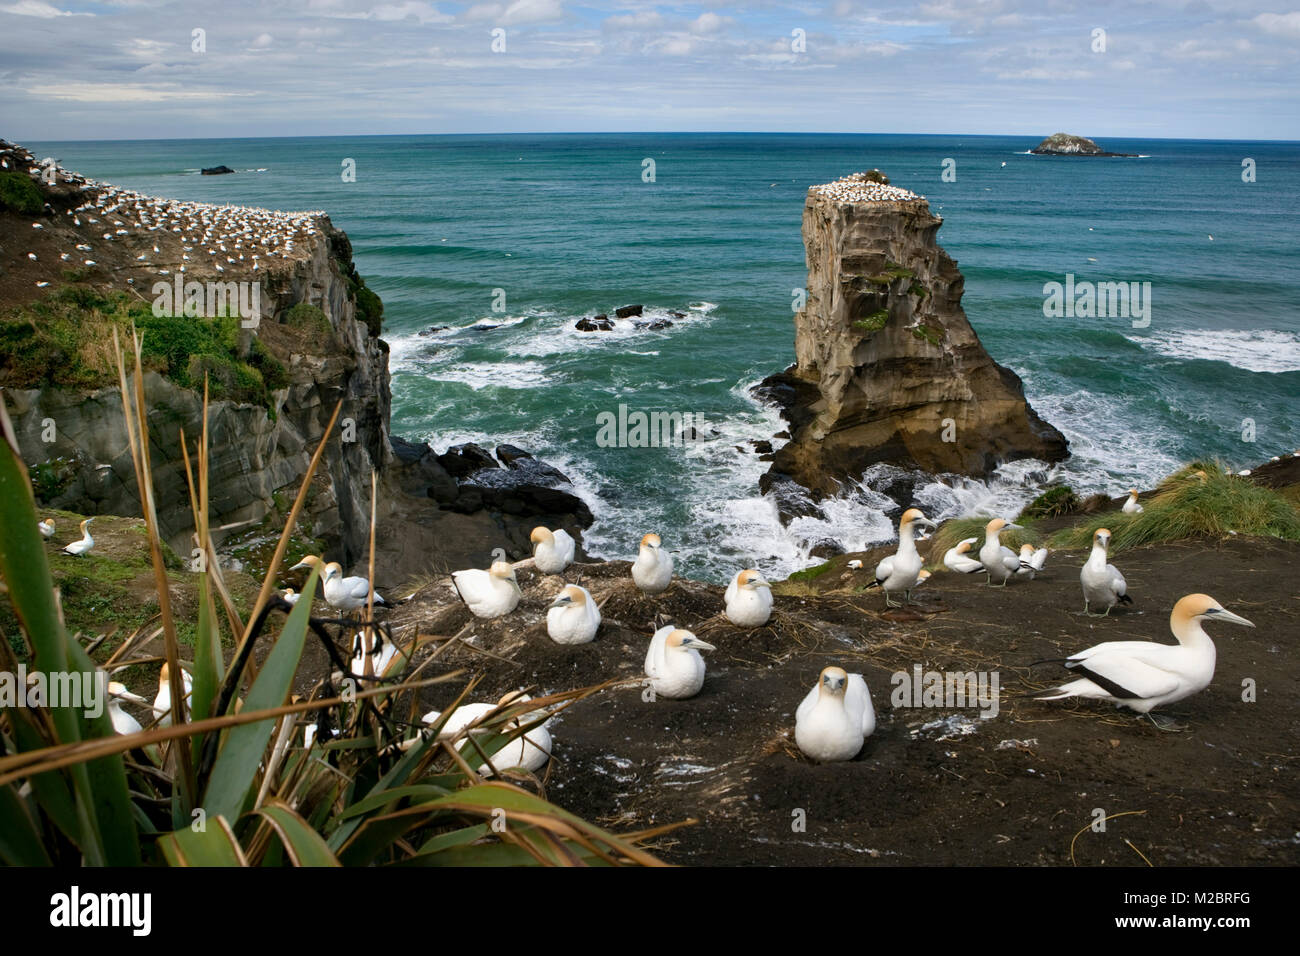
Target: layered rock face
{"type": "Point", "coordinates": [888, 368]}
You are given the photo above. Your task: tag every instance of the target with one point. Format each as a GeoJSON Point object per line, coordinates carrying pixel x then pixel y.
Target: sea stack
{"type": "Point", "coordinates": [888, 368]}
{"type": "Point", "coordinates": [1067, 144]}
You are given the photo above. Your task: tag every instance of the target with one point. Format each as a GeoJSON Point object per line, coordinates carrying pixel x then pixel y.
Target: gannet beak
{"type": "Point", "coordinates": [1011, 525]}
{"type": "Point", "coordinates": [927, 521]}
{"type": "Point", "coordinates": [698, 644]}
{"type": "Point", "coordinates": [1218, 614]}
{"type": "Point", "coordinates": [759, 583]}
{"type": "Point", "coordinates": [300, 565]}
{"type": "Point", "coordinates": [562, 600]}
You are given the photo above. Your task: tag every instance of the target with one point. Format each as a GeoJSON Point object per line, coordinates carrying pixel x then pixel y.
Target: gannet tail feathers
{"type": "Point", "coordinates": [1125, 599]}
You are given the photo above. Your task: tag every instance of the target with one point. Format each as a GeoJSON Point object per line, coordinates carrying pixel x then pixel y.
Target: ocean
{"type": "Point", "coordinates": [507, 240]}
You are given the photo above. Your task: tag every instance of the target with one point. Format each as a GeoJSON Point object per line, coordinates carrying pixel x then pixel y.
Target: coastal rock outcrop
{"type": "Point", "coordinates": [1066, 144]}
{"type": "Point", "coordinates": [888, 368]}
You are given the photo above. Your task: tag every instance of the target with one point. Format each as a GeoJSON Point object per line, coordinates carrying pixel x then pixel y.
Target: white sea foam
{"type": "Point", "coordinates": [1255, 350]}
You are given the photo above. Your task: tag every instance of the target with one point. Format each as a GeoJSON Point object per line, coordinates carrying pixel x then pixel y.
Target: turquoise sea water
{"type": "Point", "coordinates": [566, 226]}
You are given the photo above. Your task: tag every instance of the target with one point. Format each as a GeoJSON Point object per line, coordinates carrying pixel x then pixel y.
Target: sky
{"type": "Point", "coordinates": [137, 69]}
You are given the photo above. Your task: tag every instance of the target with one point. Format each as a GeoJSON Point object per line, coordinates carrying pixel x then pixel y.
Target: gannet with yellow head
{"type": "Point", "coordinates": [1102, 583]}
{"type": "Point", "coordinates": [1142, 675]}
{"type": "Point", "coordinates": [653, 568]}
{"type": "Point", "coordinates": [162, 702]}
{"type": "Point", "coordinates": [1131, 507]}
{"type": "Point", "coordinates": [673, 663]}
{"type": "Point", "coordinates": [573, 617]}
{"type": "Point", "coordinates": [47, 527]}
{"type": "Point", "coordinates": [748, 600]}
{"type": "Point", "coordinates": [836, 716]}
{"type": "Point", "coordinates": [899, 571]}
{"type": "Point", "coordinates": [86, 542]}
{"type": "Point", "coordinates": [342, 594]}
{"type": "Point", "coordinates": [491, 593]}
{"type": "Point", "coordinates": [999, 561]}
{"type": "Point", "coordinates": [552, 550]}
{"type": "Point", "coordinates": [957, 558]}
{"type": "Point", "coordinates": [528, 751]}
{"type": "Point", "coordinates": [1031, 560]}
{"type": "Point", "coordinates": [123, 723]}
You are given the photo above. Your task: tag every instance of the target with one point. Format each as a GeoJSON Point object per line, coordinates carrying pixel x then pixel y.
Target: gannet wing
{"type": "Point", "coordinates": [564, 545]}
{"type": "Point", "coordinates": [1039, 559]}
{"type": "Point", "coordinates": [1126, 677]}
{"type": "Point", "coordinates": [1010, 560]}
{"type": "Point", "coordinates": [885, 568]}
{"type": "Point", "coordinates": [471, 584]}
{"type": "Point", "coordinates": [1118, 583]}
{"type": "Point", "coordinates": [731, 591]}
{"type": "Point", "coordinates": [654, 657]}
{"type": "Point", "coordinates": [857, 700]}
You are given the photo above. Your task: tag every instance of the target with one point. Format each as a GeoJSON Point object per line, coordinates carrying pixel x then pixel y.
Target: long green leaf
{"type": "Point", "coordinates": [235, 768]}
{"type": "Point", "coordinates": [215, 845]}
{"type": "Point", "coordinates": [303, 844]}
{"type": "Point", "coordinates": [20, 837]}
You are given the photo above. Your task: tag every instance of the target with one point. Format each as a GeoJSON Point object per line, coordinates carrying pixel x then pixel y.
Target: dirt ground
{"type": "Point", "coordinates": [933, 785]}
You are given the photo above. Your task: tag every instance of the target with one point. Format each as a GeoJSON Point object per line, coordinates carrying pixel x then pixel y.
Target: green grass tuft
{"type": "Point", "coordinates": [20, 194]}
{"type": "Point", "coordinates": [1052, 503]}
{"type": "Point", "coordinates": [809, 574]}
{"type": "Point", "coordinates": [1188, 507]}
{"type": "Point", "coordinates": [873, 322]}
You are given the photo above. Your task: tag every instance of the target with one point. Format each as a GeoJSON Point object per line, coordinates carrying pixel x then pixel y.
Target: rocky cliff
{"type": "Point", "coordinates": [888, 368]}
{"type": "Point", "coordinates": [318, 331]}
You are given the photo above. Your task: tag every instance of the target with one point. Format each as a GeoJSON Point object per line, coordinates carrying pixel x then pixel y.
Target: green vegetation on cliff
{"type": "Point", "coordinates": [19, 193]}
{"type": "Point", "coordinates": [66, 341]}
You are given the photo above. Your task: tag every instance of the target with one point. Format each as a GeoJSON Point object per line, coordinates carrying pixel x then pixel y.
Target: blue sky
{"type": "Point", "coordinates": [128, 68]}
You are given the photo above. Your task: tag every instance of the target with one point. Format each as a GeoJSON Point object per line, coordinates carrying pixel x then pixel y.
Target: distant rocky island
{"type": "Point", "coordinates": [1065, 144]}
{"type": "Point", "coordinates": [215, 170]}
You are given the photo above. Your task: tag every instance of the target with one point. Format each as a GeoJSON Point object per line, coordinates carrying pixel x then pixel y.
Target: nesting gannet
{"type": "Point", "coordinates": [855, 565]}
{"type": "Point", "coordinates": [573, 617]}
{"type": "Point", "coordinates": [290, 596]}
{"type": "Point", "coordinates": [653, 568]}
{"type": "Point", "coordinates": [47, 527]}
{"type": "Point", "coordinates": [552, 550]}
{"type": "Point", "coordinates": [1131, 507]}
{"type": "Point", "coordinates": [123, 723]}
{"type": "Point", "coordinates": [1142, 675]}
{"type": "Point", "coordinates": [899, 571]}
{"type": "Point", "coordinates": [162, 702]}
{"type": "Point", "coordinates": [958, 558]}
{"type": "Point", "coordinates": [1031, 560]}
{"type": "Point", "coordinates": [528, 751]}
{"type": "Point", "coordinates": [836, 717]}
{"type": "Point", "coordinates": [342, 594]}
{"type": "Point", "coordinates": [382, 654]}
{"type": "Point", "coordinates": [999, 561]}
{"type": "Point", "coordinates": [490, 593]}
{"type": "Point", "coordinates": [85, 544]}
{"type": "Point", "coordinates": [673, 663]}
{"type": "Point", "coordinates": [1102, 582]}
{"type": "Point", "coordinates": [748, 600]}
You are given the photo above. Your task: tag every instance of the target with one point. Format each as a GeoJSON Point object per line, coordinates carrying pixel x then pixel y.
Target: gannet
{"type": "Point", "coordinates": [552, 550]}
{"type": "Point", "coordinates": [123, 723]}
{"type": "Point", "coordinates": [1102, 582]}
{"type": "Point", "coordinates": [899, 571]}
{"type": "Point", "coordinates": [1142, 675]}
{"type": "Point", "coordinates": [290, 596]}
{"type": "Point", "coordinates": [922, 576]}
{"type": "Point", "coordinates": [855, 565]}
{"type": "Point", "coordinates": [490, 593]}
{"type": "Point", "coordinates": [573, 617]}
{"type": "Point", "coordinates": [85, 544]}
{"type": "Point", "coordinates": [528, 752]}
{"type": "Point", "coordinates": [162, 702]}
{"type": "Point", "coordinates": [382, 653]}
{"type": "Point", "coordinates": [748, 600]}
{"type": "Point", "coordinates": [999, 561]}
{"type": "Point", "coordinates": [673, 663]}
{"type": "Point", "coordinates": [836, 717]}
{"type": "Point", "coordinates": [47, 527]}
{"type": "Point", "coordinates": [653, 568]}
{"type": "Point", "coordinates": [342, 594]}
{"type": "Point", "coordinates": [1031, 560]}
{"type": "Point", "coordinates": [1131, 507]}
{"type": "Point", "coordinates": [958, 558]}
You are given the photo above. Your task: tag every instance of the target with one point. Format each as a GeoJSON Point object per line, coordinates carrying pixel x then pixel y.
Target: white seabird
{"type": "Point", "coordinates": [552, 550]}
{"type": "Point", "coordinates": [528, 751]}
{"type": "Point", "coordinates": [1131, 507]}
{"type": "Point", "coordinates": [290, 596]}
{"type": "Point", "coordinates": [653, 568]}
{"type": "Point", "coordinates": [855, 565]}
{"type": "Point", "coordinates": [573, 617]}
{"type": "Point", "coordinates": [162, 702]}
{"type": "Point", "coordinates": [999, 561]}
{"type": "Point", "coordinates": [342, 594]}
{"type": "Point", "coordinates": [84, 545]}
{"type": "Point", "coordinates": [1102, 583]}
{"type": "Point", "coordinates": [488, 594]}
{"type": "Point", "coordinates": [123, 723]}
{"type": "Point", "coordinates": [1031, 560]}
{"type": "Point", "coordinates": [836, 717]}
{"type": "Point", "coordinates": [899, 571]}
{"type": "Point", "coordinates": [749, 600]}
{"type": "Point", "coordinates": [957, 558]}
{"type": "Point", "coordinates": [382, 654]}
{"type": "Point", "coordinates": [47, 527]}
{"type": "Point", "coordinates": [673, 663]}
{"type": "Point", "coordinates": [1142, 675]}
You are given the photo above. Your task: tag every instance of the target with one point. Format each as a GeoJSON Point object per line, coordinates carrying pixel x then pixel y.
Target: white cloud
{"type": "Point", "coordinates": [123, 93]}
{"type": "Point", "coordinates": [262, 41]}
{"type": "Point", "coordinates": [520, 11]}
{"type": "Point", "coordinates": [709, 22]}
{"type": "Point", "coordinates": [37, 8]}
{"type": "Point", "coordinates": [1288, 24]}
